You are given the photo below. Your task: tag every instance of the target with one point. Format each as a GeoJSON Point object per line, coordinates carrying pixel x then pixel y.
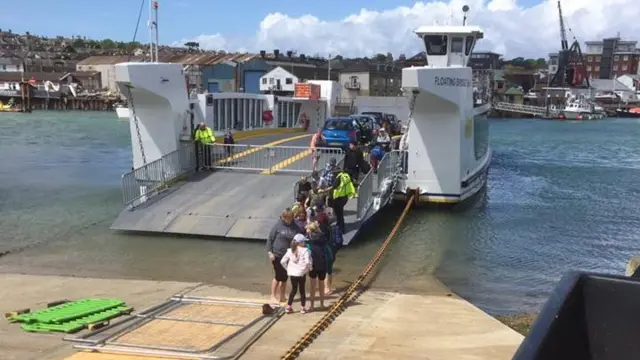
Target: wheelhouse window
{"type": "Point", "coordinates": [436, 44]}
{"type": "Point", "coordinates": [469, 45]}
{"type": "Point", "coordinates": [457, 44]}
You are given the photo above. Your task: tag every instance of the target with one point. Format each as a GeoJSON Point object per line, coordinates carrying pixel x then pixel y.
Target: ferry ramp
{"type": "Point", "coordinates": [240, 199]}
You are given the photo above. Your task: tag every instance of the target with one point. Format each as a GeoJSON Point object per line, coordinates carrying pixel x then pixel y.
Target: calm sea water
{"type": "Point", "coordinates": [561, 196]}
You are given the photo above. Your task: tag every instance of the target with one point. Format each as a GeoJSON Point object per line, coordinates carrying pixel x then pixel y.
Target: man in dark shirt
{"type": "Point", "coordinates": [354, 162]}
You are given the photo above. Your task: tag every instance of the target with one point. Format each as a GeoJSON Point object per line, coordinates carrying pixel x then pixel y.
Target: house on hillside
{"type": "Point", "coordinates": [11, 64]}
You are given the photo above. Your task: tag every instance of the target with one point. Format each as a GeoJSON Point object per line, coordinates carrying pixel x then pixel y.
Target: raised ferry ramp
{"type": "Point", "coordinates": [240, 199]}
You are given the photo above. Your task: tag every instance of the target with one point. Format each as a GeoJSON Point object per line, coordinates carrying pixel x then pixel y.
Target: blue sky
{"type": "Point", "coordinates": [179, 19]}
{"type": "Point", "coordinates": [511, 27]}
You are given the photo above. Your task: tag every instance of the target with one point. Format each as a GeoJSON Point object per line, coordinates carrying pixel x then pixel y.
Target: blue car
{"type": "Point", "coordinates": [338, 132]}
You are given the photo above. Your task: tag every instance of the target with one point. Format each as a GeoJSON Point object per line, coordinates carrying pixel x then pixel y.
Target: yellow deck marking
{"type": "Point", "coordinates": [259, 147]}
{"type": "Point", "coordinates": [286, 162]}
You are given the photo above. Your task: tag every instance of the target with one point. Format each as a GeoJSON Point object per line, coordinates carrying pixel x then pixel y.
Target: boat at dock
{"type": "Point", "coordinates": [447, 144]}
{"type": "Point", "coordinates": [122, 112]}
{"type": "Point", "coordinates": [445, 154]}
{"type": "Point", "coordinates": [578, 107]}
{"type": "Point", "coordinates": [633, 112]}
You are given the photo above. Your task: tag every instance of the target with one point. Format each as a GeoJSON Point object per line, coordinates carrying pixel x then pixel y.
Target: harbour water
{"type": "Point", "coordinates": [561, 196]}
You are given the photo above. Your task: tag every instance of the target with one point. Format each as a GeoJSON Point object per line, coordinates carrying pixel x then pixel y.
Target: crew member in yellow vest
{"type": "Point", "coordinates": [204, 136]}
{"type": "Point", "coordinates": [343, 190]}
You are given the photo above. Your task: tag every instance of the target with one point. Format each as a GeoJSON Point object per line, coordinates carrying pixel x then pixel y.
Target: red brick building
{"type": "Point", "coordinates": [610, 58]}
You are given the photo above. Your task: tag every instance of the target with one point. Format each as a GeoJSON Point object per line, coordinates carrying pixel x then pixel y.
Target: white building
{"type": "Point", "coordinates": [278, 79]}
{"type": "Point", "coordinates": [106, 65]}
{"type": "Point", "coordinates": [631, 81]}
{"type": "Point", "coordinates": [11, 65]}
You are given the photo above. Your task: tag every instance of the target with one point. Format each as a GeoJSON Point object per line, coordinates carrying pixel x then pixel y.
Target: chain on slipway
{"type": "Point", "coordinates": [132, 108]}
{"type": "Point", "coordinates": [352, 293]}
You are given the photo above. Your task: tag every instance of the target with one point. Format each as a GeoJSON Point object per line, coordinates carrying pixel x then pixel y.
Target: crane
{"type": "Point", "coordinates": [571, 70]}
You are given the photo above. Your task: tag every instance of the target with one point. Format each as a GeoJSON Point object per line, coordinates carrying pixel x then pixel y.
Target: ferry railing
{"type": "Point", "coordinates": [271, 159]}
{"type": "Point", "coordinates": [365, 194]}
{"type": "Point", "coordinates": [141, 184]}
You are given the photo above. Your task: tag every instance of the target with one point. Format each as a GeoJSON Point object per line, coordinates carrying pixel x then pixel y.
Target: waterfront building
{"type": "Point", "coordinates": [370, 79]}
{"type": "Point", "coordinates": [607, 58]}
{"type": "Point", "coordinates": [106, 65]}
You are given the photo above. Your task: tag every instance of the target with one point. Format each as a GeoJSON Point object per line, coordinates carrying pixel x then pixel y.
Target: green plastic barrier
{"type": "Point", "coordinates": [77, 324]}
{"type": "Point", "coordinates": [68, 311]}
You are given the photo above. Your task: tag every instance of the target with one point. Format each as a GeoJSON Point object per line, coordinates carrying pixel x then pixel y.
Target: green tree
{"type": "Point", "coordinates": [78, 43]}
{"type": "Point", "coordinates": [108, 44]}
{"type": "Point", "coordinates": [380, 57]}
{"type": "Point", "coordinates": [389, 58]}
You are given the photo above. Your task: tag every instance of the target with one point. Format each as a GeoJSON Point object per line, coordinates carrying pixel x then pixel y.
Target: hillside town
{"type": "Point", "coordinates": [79, 73]}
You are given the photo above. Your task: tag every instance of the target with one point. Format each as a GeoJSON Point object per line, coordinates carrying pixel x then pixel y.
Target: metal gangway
{"type": "Point", "coordinates": [540, 111]}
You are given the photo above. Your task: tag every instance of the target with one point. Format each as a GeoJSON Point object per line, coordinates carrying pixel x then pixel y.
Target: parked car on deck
{"type": "Point", "coordinates": [367, 125]}
{"type": "Point", "coordinates": [339, 131]}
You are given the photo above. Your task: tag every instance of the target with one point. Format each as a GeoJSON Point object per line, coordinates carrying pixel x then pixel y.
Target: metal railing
{"type": "Point", "coordinates": [141, 184]}
{"type": "Point", "coordinates": [365, 194]}
{"type": "Point", "coordinates": [271, 159]}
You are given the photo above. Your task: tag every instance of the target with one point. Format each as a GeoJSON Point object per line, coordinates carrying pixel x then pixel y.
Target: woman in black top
{"type": "Point", "coordinates": [317, 244]}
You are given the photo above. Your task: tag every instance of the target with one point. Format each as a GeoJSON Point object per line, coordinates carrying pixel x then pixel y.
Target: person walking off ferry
{"type": "Point", "coordinates": [316, 141]}
{"type": "Point", "coordinates": [354, 162]}
{"type": "Point", "coordinates": [298, 263]}
{"type": "Point", "coordinates": [278, 243]}
{"type": "Point", "coordinates": [318, 245]}
{"type": "Point", "coordinates": [343, 190]}
{"type": "Point", "coordinates": [204, 137]}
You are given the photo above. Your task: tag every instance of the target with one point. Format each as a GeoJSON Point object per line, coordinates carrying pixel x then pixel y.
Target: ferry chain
{"type": "Point", "coordinates": [353, 292]}
{"type": "Point", "coordinates": [135, 121]}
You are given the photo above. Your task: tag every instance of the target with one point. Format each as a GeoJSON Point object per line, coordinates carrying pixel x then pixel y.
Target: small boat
{"type": "Point", "coordinates": [9, 107]}
{"type": "Point", "coordinates": [122, 112]}
{"type": "Point", "coordinates": [628, 113]}
{"type": "Point", "coordinates": [579, 108]}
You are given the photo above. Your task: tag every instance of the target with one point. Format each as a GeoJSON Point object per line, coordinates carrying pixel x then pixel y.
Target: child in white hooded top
{"type": "Point", "coordinates": [298, 263]}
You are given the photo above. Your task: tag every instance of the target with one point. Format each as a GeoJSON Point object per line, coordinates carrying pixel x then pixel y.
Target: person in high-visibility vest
{"type": "Point", "coordinates": [343, 190]}
{"type": "Point", "coordinates": [205, 137]}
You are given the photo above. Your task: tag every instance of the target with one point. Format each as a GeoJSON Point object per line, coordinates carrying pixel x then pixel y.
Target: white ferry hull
{"type": "Point", "coordinates": [448, 152]}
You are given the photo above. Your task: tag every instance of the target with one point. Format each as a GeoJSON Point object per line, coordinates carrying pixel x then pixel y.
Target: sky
{"type": "Point", "coordinates": [528, 28]}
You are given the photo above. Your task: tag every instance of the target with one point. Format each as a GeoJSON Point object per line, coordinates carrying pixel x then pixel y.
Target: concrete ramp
{"type": "Point", "coordinates": [230, 203]}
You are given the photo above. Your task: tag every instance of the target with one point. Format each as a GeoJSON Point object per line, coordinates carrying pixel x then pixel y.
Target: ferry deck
{"type": "Point", "coordinates": [243, 196]}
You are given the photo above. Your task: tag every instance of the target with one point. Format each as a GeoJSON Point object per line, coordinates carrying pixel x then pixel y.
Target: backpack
{"type": "Point", "coordinates": [338, 241]}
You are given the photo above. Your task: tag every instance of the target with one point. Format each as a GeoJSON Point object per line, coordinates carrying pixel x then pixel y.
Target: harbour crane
{"type": "Point", "coordinates": [571, 69]}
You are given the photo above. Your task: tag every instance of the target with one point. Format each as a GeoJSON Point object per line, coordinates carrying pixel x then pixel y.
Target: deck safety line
{"type": "Point", "coordinates": [286, 162]}
{"type": "Point", "coordinates": [352, 293]}
{"type": "Point", "coordinates": [258, 148]}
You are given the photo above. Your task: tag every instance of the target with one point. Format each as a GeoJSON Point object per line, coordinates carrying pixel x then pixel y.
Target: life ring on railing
{"type": "Point", "coordinates": [267, 117]}
{"type": "Point", "coordinates": [304, 121]}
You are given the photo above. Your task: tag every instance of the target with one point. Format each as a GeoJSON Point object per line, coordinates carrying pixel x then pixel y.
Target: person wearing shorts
{"type": "Point", "coordinates": [316, 141]}
{"type": "Point", "coordinates": [278, 243]}
{"type": "Point", "coordinates": [318, 246]}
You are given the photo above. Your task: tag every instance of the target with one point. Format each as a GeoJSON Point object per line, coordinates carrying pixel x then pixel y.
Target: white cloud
{"type": "Point", "coordinates": [510, 28]}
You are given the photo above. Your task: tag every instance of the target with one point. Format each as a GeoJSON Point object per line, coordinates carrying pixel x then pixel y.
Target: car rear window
{"type": "Point", "coordinates": [341, 124]}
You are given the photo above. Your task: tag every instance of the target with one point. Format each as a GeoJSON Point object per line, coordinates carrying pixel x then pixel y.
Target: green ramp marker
{"type": "Point", "coordinates": [68, 311]}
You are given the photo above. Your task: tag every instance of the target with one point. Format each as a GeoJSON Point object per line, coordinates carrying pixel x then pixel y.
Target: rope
{"type": "Point", "coordinates": [135, 33]}
{"type": "Point", "coordinates": [352, 293]}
